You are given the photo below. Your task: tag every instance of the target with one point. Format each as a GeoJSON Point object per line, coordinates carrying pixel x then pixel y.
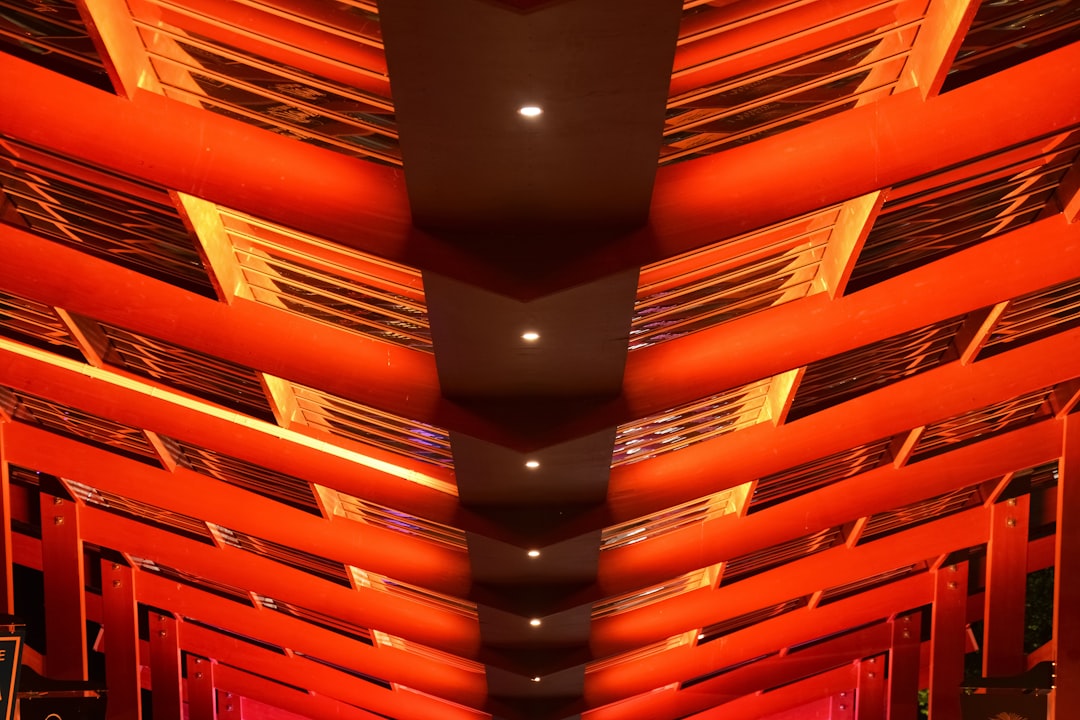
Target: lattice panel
{"type": "Point", "coordinates": [397, 521]}
{"type": "Point", "coordinates": [1006, 32]}
{"type": "Point", "coordinates": [115, 218]}
{"type": "Point", "coordinates": [325, 282]}
{"type": "Point", "coordinates": [268, 483]}
{"type": "Point", "coordinates": [847, 375]}
{"type": "Point", "coordinates": [211, 378]}
{"type": "Point", "coordinates": [745, 566]}
{"type": "Point", "coordinates": [78, 425]}
{"type": "Point", "coordinates": [641, 654]}
{"type": "Point", "coordinates": [52, 34]}
{"type": "Point", "coordinates": [207, 58]}
{"type": "Point", "coordinates": [649, 596]}
{"type": "Point", "coordinates": [229, 592]}
{"type": "Point", "coordinates": [869, 583]}
{"type": "Point", "coordinates": [36, 324]}
{"type": "Point", "coordinates": [983, 423]}
{"type": "Point", "coordinates": [741, 622]}
{"type": "Point", "coordinates": [372, 427]}
{"type": "Point", "coordinates": [816, 474]}
{"type": "Point", "coordinates": [1034, 316]}
{"type": "Point", "coordinates": [936, 216]}
{"type": "Point", "coordinates": [159, 517]}
{"type": "Point", "coordinates": [741, 75]}
{"type": "Point", "coordinates": [904, 518]}
{"type": "Point", "coordinates": [307, 562]}
{"type": "Point", "coordinates": [327, 622]}
{"type": "Point", "coordinates": [669, 520]}
{"type": "Point", "coordinates": [692, 423]}
{"type": "Point", "coordinates": [415, 593]}
{"type": "Point", "coordinates": [730, 279]}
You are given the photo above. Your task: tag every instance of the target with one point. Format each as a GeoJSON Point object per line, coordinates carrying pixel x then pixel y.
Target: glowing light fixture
{"type": "Point", "coordinates": [530, 111]}
{"type": "Point", "coordinates": [535, 622]}
{"type": "Point", "coordinates": [530, 336]}
{"type": "Point", "coordinates": [536, 678]}
{"type": "Point", "coordinates": [532, 464]}
{"type": "Point", "coordinates": [534, 553]}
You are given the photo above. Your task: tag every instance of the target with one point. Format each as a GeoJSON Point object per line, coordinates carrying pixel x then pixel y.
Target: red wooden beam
{"type": "Point", "coordinates": [442, 629]}
{"type": "Point", "coordinates": [401, 380]}
{"type": "Point", "coordinates": [1006, 586]}
{"type": "Point", "coordinates": [946, 391]}
{"type": "Point", "coordinates": [65, 606]}
{"type": "Point", "coordinates": [621, 680]}
{"type": "Point", "coordinates": [165, 668]}
{"type": "Point", "coordinates": [231, 705]}
{"type": "Point", "coordinates": [201, 699]}
{"type": "Point", "coordinates": [378, 476]}
{"type": "Point", "coordinates": [793, 701]}
{"type": "Point", "coordinates": [657, 559]}
{"type": "Point", "coordinates": [798, 333]}
{"type": "Point", "coordinates": [870, 692]}
{"type": "Point", "coordinates": [830, 568]}
{"type": "Point", "coordinates": [319, 679]}
{"type": "Point", "coordinates": [442, 679]}
{"type": "Point", "coordinates": [405, 558]}
{"type": "Point", "coordinates": [239, 685]}
{"type": "Point", "coordinates": [947, 641]}
{"type": "Point", "coordinates": [120, 623]}
{"type": "Point", "coordinates": [1066, 697]}
{"type": "Point", "coordinates": [761, 675]}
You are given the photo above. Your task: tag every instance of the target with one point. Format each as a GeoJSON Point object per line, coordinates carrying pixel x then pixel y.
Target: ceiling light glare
{"type": "Point", "coordinates": [534, 553]}
{"type": "Point", "coordinates": [536, 678]}
{"type": "Point", "coordinates": [532, 464]}
{"type": "Point", "coordinates": [530, 111]}
{"type": "Point", "coordinates": [530, 336]}
{"type": "Point", "coordinates": [535, 622]}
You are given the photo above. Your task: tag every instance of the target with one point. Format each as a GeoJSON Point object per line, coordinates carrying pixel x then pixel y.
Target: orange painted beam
{"type": "Point", "coordinates": [657, 559]}
{"type": "Point", "coordinates": [319, 679]}
{"type": "Point", "coordinates": [760, 675]}
{"type": "Point", "coordinates": [798, 333]}
{"type": "Point", "coordinates": [120, 621]}
{"type": "Point", "coordinates": [165, 142]}
{"type": "Point", "coordinates": [236, 685]}
{"type": "Point", "coordinates": [406, 558]}
{"type": "Point", "coordinates": [830, 568]}
{"type": "Point", "coordinates": [65, 604]}
{"type": "Point", "coordinates": [398, 379]}
{"type": "Point", "coordinates": [947, 391]}
{"type": "Point", "coordinates": [803, 700]}
{"type": "Point", "coordinates": [422, 623]}
{"type": "Point", "coordinates": [445, 680]}
{"type": "Point", "coordinates": [619, 681]}
{"type": "Point", "coordinates": [232, 435]}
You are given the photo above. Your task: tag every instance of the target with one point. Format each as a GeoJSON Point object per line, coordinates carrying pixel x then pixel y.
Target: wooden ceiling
{"type": "Point", "coordinates": [804, 280]}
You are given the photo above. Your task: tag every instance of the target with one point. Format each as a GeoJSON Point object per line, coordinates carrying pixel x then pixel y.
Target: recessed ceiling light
{"type": "Point", "coordinates": [536, 678]}
{"type": "Point", "coordinates": [701, 636]}
{"type": "Point", "coordinates": [530, 111]}
{"type": "Point", "coordinates": [535, 622]}
{"type": "Point", "coordinates": [534, 553]}
{"type": "Point", "coordinates": [532, 464]}
{"type": "Point", "coordinates": [530, 336]}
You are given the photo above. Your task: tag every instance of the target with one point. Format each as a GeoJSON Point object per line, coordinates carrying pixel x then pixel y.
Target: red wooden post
{"type": "Point", "coordinates": [1066, 640]}
{"type": "Point", "coordinates": [1006, 586]}
{"type": "Point", "coordinates": [947, 638]}
{"type": "Point", "coordinates": [120, 620]}
{"type": "Point", "coordinates": [65, 604]}
{"type": "Point", "coordinates": [200, 688]}
{"type": "Point", "coordinates": [903, 687]}
{"type": "Point", "coordinates": [165, 674]}
{"type": "Point", "coordinates": [870, 694]}
{"type": "Point", "coordinates": [7, 589]}
{"type": "Point", "coordinates": [229, 707]}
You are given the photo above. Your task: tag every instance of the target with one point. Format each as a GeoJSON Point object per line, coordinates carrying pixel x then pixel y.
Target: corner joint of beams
{"type": "Point", "coordinates": [846, 240]}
